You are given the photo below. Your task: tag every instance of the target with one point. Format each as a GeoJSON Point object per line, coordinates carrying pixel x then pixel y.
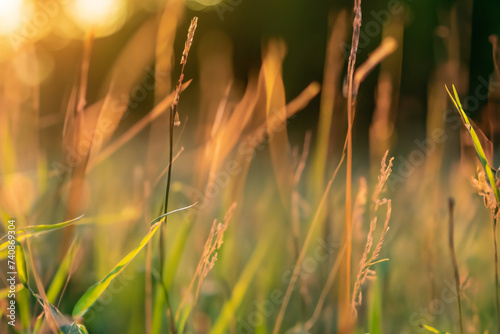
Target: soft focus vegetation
{"type": "Point", "coordinates": [169, 174]}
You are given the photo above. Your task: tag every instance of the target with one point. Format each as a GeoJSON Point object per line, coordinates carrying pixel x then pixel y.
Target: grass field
{"type": "Point", "coordinates": [147, 187]}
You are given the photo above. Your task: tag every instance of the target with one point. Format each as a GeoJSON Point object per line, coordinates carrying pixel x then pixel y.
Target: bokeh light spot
{"type": "Point", "coordinates": [10, 15]}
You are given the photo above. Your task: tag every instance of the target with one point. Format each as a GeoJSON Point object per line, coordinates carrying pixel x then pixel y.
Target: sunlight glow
{"type": "Point", "coordinates": [105, 16]}
{"type": "Point", "coordinates": [95, 10]}
{"type": "Point", "coordinates": [10, 15]}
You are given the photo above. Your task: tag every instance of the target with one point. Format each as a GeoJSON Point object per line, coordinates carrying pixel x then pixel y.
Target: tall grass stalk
{"type": "Point", "coordinates": [369, 257]}
{"type": "Point", "coordinates": [173, 116]}
{"type": "Point", "coordinates": [495, 246]}
{"type": "Point", "coordinates": [451, 205]}
{"type": "Point", "coordinates": [295, 215]}
{"type": "Point", "coordinates": [334, 62]}
{"type": "Point", "coordinates": [73, 126]}
{"type": "Point", "coordinates": [345, 318]}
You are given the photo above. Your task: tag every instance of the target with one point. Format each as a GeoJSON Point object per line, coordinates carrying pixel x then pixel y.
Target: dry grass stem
{"type": "Point", "coordinates": [208, 258]}
{"type": "Point", "coordinates": [367, 259]}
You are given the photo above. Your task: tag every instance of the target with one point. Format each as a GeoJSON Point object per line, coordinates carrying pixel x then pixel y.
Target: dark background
{"type": "Point", "coordinates": [304, 27]}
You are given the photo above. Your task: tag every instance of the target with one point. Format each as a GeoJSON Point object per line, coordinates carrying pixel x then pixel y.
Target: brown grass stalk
{"type": "Point", "coordinates": [334, 62]}
{"type": "Point", "coordinates": [173, 117]}
{"type": "Point", "coordinates": [208, 258]}
{"type": "Point", "coordinates": [74, 125]}
{"type": "Point", "coordinates": [344, 315]}
{"type": "Point", "coordinates": [385, 48]}
{"type": "Point", "coordinates": [175, 104]}
{"type": "Point", "coordinates": [367, 260]}
{"type": "Point", "coordinates": [157, 111]}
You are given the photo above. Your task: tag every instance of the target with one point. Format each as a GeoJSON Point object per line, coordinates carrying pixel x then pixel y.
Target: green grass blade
{"type": "Point", "coordinates": [47, 228]}
{"type": "Point", "coordinates": [184, 317]}
{"type": "Point", "coordinates": [31, 231]}
{"type": "Point", "coordinates": [477, 144]}
{"type": "Point", "coordinates": [169, 272]}
{"type": "Point", "coordinates": [95, 291]}
{"type": "Point", "coordinates": [22, 271]}
{"type": "Point", "coordinates": [375, 308]}
{"type": "Point", "coordinates": [83, 329]}
{"type": "Point", "coordinates": [23, 302]}
{"type": "Point", "coordinates": [61, 275]}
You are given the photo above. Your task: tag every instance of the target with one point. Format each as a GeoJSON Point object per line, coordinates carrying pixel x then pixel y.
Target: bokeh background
{"type": "Point", "coordinates": [67, 65]}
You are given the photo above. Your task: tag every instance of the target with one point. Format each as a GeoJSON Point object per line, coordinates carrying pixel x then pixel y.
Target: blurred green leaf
{"type": "Point", "coordinates": [242, 286]}
{"type": "Point", "coordinates": [433, 330]}
{"type": "Point", "coordinates": [62, 271]}
{"type": "Point", "coordinates": [375, 308]}
{"type": "Point", "coordinates": [32, 231]}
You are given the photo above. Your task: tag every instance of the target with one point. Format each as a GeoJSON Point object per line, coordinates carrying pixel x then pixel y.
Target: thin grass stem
{"type": "Point", "coordinates": [495, 246]}
{"type": "Point", "coordinates": [451, 205]}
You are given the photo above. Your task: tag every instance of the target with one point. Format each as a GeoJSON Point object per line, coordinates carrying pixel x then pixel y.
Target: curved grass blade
{"type": "Point", "coordinates": [95, 291]}
{"type": "Point", "coordinates": [31, 231]}
{"type": "Point", "coordinates": [475, 140]}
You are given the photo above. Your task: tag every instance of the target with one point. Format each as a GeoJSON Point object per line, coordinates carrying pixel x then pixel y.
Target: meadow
{"type": "Point", "coordinates": [152, 182]}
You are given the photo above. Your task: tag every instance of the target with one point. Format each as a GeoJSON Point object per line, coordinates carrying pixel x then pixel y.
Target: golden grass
{"type": "Point", "coordinates": [212, 277]}
{"type": "Point", "coordinates": [369, 257]}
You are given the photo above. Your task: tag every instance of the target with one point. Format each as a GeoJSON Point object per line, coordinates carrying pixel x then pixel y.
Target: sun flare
{"type": "Point", "coordinates": [10, 15]}
{"type": "Point", "coordinates": [104, 16]}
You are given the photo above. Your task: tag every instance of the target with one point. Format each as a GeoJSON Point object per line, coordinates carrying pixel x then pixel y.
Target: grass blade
{"type": "Point", "coordinates": [95, 291]}
{"type": "Point", "coordinates": [491, 179]}
{"type": "Point", "coordinates": [61, 275]}
{"type": "Point", "coordinates": [477, 144]}
{"type": "Point", "coordinates": [451, 244]}
{"type": "Point", "coordinates": [22, 272]}
{"type": "Point", "coordinates": [31, 231]}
